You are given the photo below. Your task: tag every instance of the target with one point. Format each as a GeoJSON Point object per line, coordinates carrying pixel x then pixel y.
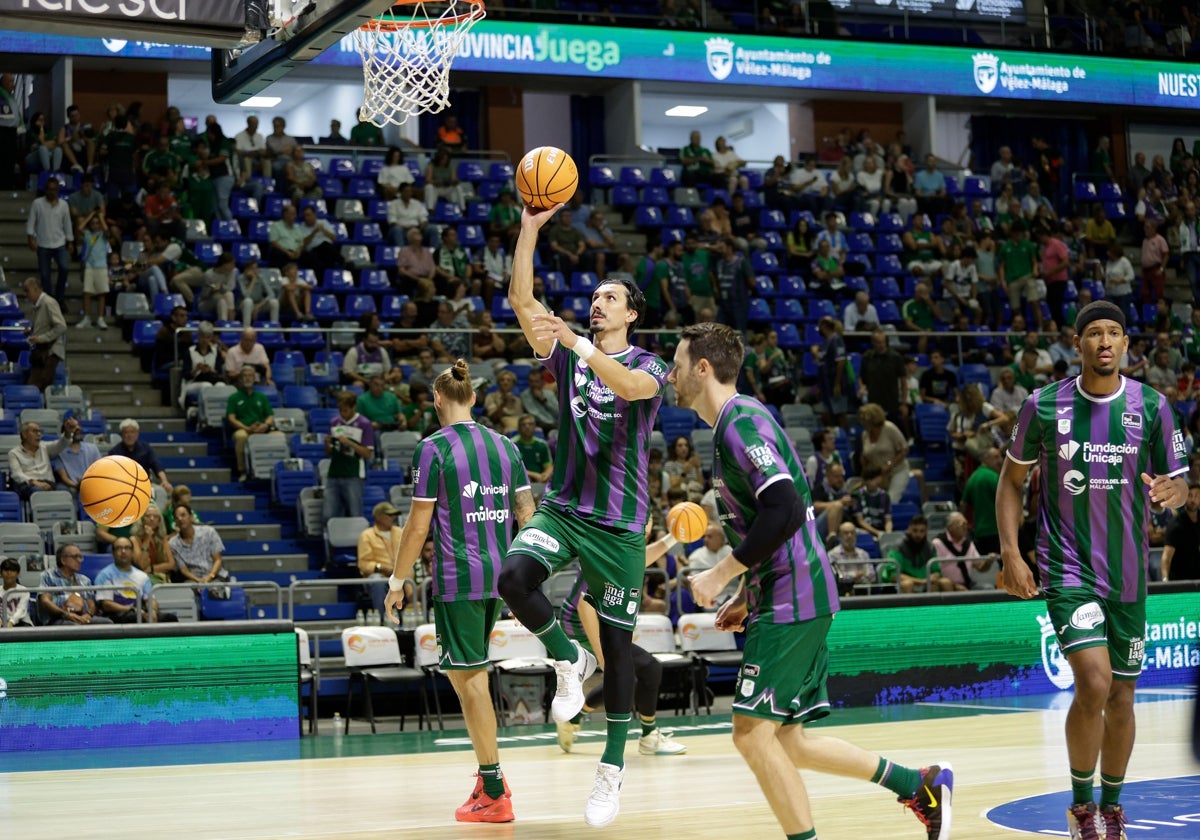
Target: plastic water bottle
{"type": "Point", "coordinates": [336, 723]}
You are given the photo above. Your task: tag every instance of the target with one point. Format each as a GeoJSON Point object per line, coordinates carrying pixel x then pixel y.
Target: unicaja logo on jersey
{"type": "Point", "coordinates": [1067, 450]}
{"type": "Point", "coordinates": [1058, 669]}
{"type": "Point", "coordinates": [987, 71]}
{"type": "Point", "coordinates": [470, 489]}
{"type": "Point", "coordinates": [720, 57]}
{"type": "Point", "coordinates": [1074, 482]}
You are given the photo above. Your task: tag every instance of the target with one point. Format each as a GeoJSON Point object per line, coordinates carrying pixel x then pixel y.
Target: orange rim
{"type": "Point", "coordinates": [392, 25]}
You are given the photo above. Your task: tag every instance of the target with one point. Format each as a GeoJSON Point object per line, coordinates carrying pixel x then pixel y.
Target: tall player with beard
{"type": "Point", "coordinates": [469, 483]}
{"type": "Point", "coordinates": [596, 506]}
{"type": "Point", "coordinates": [1108, 447]}
{"type": "Point", "coordinates": [788, 598]}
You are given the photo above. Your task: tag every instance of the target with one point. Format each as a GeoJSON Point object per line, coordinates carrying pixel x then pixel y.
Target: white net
{"type": "Point", "coordinates": [406, 55]}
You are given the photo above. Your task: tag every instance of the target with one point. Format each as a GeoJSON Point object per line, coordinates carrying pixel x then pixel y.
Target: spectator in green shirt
{"type": "Point", "coordinates": [249, 412]}
{"type": "Point", "coordinates": [697, 162]}
{"type": "Point", "coordinates": [535, 452]}
{"type": "Point", "coordinates": [699, 276]}
{"type": "Point", "coordinates": [1017, 268]}
{"type": "Point", "coordinates": [920, 315]}
{"type": "Point", "coordinates": [979, 502]}
{"type": "Point", "coordinates": [365, 133]}
{"type": "Point", "coordinates": [419, 413]}
{"type": "Point", "coordinates": [912, 555]}
{"type": "Point", "coordinates": [381, 406]}
{"type": "Point", "coordinates": [163, 162]}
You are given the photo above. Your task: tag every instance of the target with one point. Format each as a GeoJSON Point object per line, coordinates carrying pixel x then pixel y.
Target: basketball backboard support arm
{"type": "Point", "coordinates": [239, 74]}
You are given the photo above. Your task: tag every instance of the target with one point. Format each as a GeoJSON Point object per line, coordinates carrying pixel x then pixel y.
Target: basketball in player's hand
{"type": "Point", "coordinates": [687, 522]}
{"type": "Point", "coordinates": [115, 491]}
{"type": "Point", "coordinates": [546, 177]}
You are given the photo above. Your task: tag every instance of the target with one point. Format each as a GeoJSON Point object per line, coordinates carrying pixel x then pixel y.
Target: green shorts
{"type": "Point", "coordinates": [613, 560]}
{"type": "Point", "coordinates": [464, 631]}
{"type": "Point", "coordinates": [1081, 620]}
{"type": "Point", "coordinates": [784, 671]}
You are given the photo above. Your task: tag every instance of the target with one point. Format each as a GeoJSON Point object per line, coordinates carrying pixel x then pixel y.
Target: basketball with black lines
{"type": "Point", "coordinates": [546, 177]}
{"type": "Point", "coordinates": [115, 491]}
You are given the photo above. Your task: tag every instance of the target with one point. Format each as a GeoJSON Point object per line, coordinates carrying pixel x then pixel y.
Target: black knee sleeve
{"type": "Point", "coordinates": [520, 583]}
{"type": "Point", "coordinates": [648, 672]}
{"type": "Point", "coordinates": [617, 644]}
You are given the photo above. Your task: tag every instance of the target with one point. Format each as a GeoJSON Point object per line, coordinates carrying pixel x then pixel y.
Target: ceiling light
{"type": "Point", "coordinates": [687, 111]}
{"type": "Point", "coordinates": [262, 102]}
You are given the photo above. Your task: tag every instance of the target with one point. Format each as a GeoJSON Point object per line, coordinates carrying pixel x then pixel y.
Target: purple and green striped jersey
{"type": "Point", "coordinates": [1093, 508]}
{"type": "Point", "coordinates": [752, 453]}
{"type": "Point", "coordinates": [473, 475]}
{"type": "Point", "coordinates": [603, 441]}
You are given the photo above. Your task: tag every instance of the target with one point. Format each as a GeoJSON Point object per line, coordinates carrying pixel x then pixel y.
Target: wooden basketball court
{"type": "Point", "coordinates": [407, 785]}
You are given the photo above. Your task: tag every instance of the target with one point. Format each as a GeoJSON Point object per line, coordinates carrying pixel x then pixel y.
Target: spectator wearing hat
{"type": "Point", "coordinates": [378, 548]}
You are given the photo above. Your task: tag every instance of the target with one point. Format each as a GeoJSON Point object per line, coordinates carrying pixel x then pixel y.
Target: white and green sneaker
{"type": "Point", "coordinates": [659, 742]}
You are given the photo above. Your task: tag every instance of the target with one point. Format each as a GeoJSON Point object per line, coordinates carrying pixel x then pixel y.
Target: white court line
{"type": "Point", "coordinates": [977, 706]}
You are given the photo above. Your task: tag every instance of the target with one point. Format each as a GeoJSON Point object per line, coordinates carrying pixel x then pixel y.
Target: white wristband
{"type": "Point", "coordinates": [584, 348]}
{"type": "Point", "coordinates": [395, 584]}
{"type": "Point", "coordinates": [669, 541]}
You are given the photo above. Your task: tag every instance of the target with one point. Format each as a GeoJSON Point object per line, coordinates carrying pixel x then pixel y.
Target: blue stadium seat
{"type": "Point", "coordinates": [862, 222]}
{"type": "Point", "coordinates": [764, 262]}
{"type": "Point", "coordinates": [359, 304]}
{"type": "Point", "coordinates": [273, 205]}
{"type": "Point", "coordinates": [753, 200]}
{"type": "Point", "coordinates": [371, 167]}
{"type": "Point", "coordinates": [889, 264]}
{"type": "Point", "coordinates": [648, 217]}
{"type": "Point", "coordinates": [9, 307]}
{"type": "Point", "coordinates": [1085, 191]}
{"type": "Point", "coordinates": [304, 397]}
{"type": "Point", "coordinates": [374, 280]}
{"type": "Point", "coordinates": [341, 167]}
{"type": "Point", "coordinates": [889, 243]}
{"type": "Point", "coordinates": [625, 195]}
{"type": "Point", "coordinates": [976, 186]}
{"type": "Point", "coordinates": [391, 307]}
{"type": "Point", "coordinates": [471, 236]}
{"type": "Point", "coordinates": [1111, 192]}
{"type": "Point", "coordinates": [889, 313]}
{"type": "Point", "coordinates": [386, 254]}
{"type": "Point", "coordinates": [772, 219]}
{"type": "Point", "coordinates": [331, 186]}
{"type": "Point", "coordinates": [471, 171]}
{"type": "Point", "coordinates": [775, 243]}
{"type": "Point", "coordinates": [207, 252]}
{"type": "Point", "coordinates": [580, 306]}
{"type": "Point", "coordinates": [859, 243]}
{"type": "Point", "coordinates": [759, 311]}
{"type": "Point", "coordinates": [601, 176]}
{"type": "Point", "coordinates": [446, 213]}
{"type": "Point", "coordinates": [889, 223]}
{"type": "Point", "coordinates": [164, 303]}
{"type": "Point", "coordinates": [633, 176]}
{"type": "Point", "coordinates": [243, 252]}
{"type": "Point", "coordinates": [361, 188]}
{"type": "Point", "coordinates": [932, 420]}
{"type": "Point", "coordinates": [368, 233]}
{"type": "Point", "coordinates": [501, 171]}
{"type": "Point", "coordinates": [789, 309]}
{"type": "Point", "coordinates": [664, 176]}
{"type": "Point", "coordinates": [244, 207]}
{"type": "Point", "coordinates": [260, 231]}
{"type": "Point", "coordinates": [337, 281]}
{"type": "Point", "coordinates": [556, 284]}
{"type": "Point", "coordinates": [821, 308]}
{"type": "Point", "coordinates": [325, 307]}
{"type": "Point", "coordinates": [674, 422]}
{"type": "Point", "coordinates": [763, 287]}
{"type": "Point", "coordinates": [680, 217]}
{"type": "Point", "coordinates": [227, 230]}
{"type": "Point", "coordinates": [502, 311]}
{"type": "Point", "coordinates": [672, 234]}
{"type": "Point", "coordinates": [583, 282]}
{"type": "Point", "coordinates": [791, 285]}
{"type": "Point", "coordinates": [657, 196]}
{"type": "Point", "coordinates": [1115, 211]}
{"type": "Point", "coordinates": [789, 336]}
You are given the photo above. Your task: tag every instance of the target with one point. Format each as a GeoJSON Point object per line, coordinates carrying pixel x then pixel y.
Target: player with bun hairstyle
{"type": "Point", "coordinates": [595, 509]}
{"type": "Point", "coordinates": [469, 484]}
{"type": "Point", "coordinates": [788, 598]}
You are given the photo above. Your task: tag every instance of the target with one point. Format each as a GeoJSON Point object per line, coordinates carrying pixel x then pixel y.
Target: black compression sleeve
{"type": "Point", "coordinates": [780, 514]}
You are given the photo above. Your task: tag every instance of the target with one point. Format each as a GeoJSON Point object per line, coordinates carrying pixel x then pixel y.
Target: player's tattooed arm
{"type": "Point", "coordinates": [523, 506]}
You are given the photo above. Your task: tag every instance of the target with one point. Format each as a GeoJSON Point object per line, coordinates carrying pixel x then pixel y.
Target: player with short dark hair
{"type": "Point", "coordinates": [788, 598]}
{"type": "Point", "coordinates": [469, 482]}
{"type": "Point", "coordinates": [595, 508]}
{"type": "Point", "coordinates": [1098, 438]}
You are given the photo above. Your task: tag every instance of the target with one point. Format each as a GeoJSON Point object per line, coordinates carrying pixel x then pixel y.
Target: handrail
{"type": "Point", "coordinates": [982, 558]}
{"type": "Point", "coordinates": [232, 582]}
{"type": "Point", "coordinates": [409, 606]}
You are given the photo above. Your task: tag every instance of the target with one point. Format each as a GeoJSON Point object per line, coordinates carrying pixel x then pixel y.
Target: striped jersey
{"type": "Point", "coordinates": [1093, 508]}
{"type": "Point", "coordinates": [472, 474]}
{"type": "Point", "coordinates": [752, 453]}
{"type": "Point", "coordinates": [603, 441]}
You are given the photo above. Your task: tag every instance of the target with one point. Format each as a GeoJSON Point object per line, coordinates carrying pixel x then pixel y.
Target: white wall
{"type": "Point", "coordinates": [547, 120]}
{"type": "Point", "coordinates": [768, 123]}
{"type": "Point", "coordinates": [1156, 139]}
{"type": "Point", "coordinates": [952, 137]}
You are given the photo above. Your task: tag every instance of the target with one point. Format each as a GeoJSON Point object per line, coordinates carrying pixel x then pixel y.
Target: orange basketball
{"type": "Point", "coordinates": [115, 491]}
{"type": "Point", "coordinates": [687, 522]}
{"type": "Point", "coordinates": [546, 176]}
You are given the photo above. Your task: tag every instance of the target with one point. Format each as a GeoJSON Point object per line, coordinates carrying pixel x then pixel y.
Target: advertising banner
{"type": "Point", "coordinates": [790, 64]}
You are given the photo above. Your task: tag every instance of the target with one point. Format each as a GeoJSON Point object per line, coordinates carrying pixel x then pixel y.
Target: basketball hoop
{"type": "Point", "coordinates": [406, 54]}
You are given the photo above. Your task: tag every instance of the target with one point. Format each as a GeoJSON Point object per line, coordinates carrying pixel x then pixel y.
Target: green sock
{"type": "Point", "coordinates": [1082, 785]}
{"type": "Point", "coordinates": [902, 781]}
{"type": "Point", "coordinates": [811, 834]}
{"type": "Point", "coordinates": [1110, 789]}
{"type": "Point", "coordinates": [648, 725]}
{"type": "Point", "coordinates": [493, 780]}
{"type": "Point", "coordinates": [614, 743]}
{"type": "Point", "coordinates": [578, 719]}
{"type": "Point", "coordinates": [556, 641]}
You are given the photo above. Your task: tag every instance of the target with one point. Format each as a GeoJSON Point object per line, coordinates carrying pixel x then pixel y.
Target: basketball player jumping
{"type": "Point", "coordinates": [595, 508]}
{"type": "Point", "coordinates": [788, 598]}
{"type": "Point", "coordinates": [475, 482]}
{"type": "Point", "coordinates": [1107, 447]}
